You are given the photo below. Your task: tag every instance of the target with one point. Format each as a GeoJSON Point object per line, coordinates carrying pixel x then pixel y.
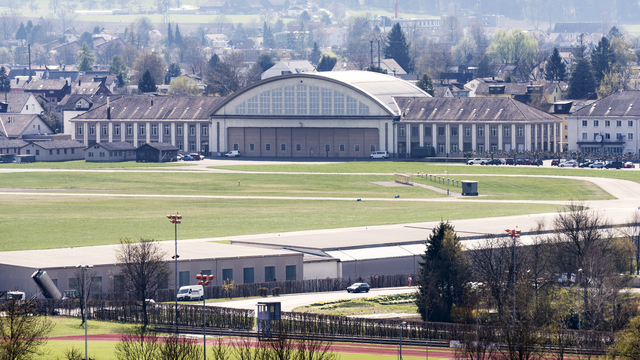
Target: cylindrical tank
{"type": "Point", "coordinates": [46, 285]}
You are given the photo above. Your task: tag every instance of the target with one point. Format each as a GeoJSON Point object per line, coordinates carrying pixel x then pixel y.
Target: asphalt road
{"type": "Point", "coordinates": [292, 301]}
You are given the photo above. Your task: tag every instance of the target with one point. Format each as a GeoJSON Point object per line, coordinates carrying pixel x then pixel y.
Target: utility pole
{"type": "Point", "coordinates": [515, 234]}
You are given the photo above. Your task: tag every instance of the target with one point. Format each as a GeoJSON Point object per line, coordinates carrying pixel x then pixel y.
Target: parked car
{"type": "Point", "coordinates": [477, 161]}
{"type": "Point", "coordinates": [188, 158]}
{"type": "Point", "coordinates": [196, 156]}
{"type": "Point", "coordinates": [537, 162]}
{"type": "Point", "coordinates": [526, 162]}
{"type": "Point", "coordinates": [494, 162]}
{"type": "Point", "coordinates": [180, 157]}
{"type": "Point", "coordinates": [569, 163]}
{"type": "Point", "coordinates": [629, 165]}
{"type": "Point", "coordinates": [597, 165]}
{"type": "Point", "coordinates": [586, 164]}
{"type": "Point", "coordinates": [555, 162]}
{"type": "Point", "coordinates": [358, 287]}
{"type": "Point", "coordinates": [232, 153]}
{"type": "Point", "coordinates": [614, 165]}
{"type": "Point", "coordinates": [379, 155]}
{"type": "Point", "coordinates": [519, 161]}
{"type": "Point", "coordinates": [509, 161]}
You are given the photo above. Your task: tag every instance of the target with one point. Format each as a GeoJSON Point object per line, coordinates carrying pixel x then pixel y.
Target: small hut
{"type": "Point", "coordinates": [156, 152]}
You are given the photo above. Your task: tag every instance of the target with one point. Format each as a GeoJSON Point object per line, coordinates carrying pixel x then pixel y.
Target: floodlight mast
{"type": "Point", "coordinates": [176, 219]}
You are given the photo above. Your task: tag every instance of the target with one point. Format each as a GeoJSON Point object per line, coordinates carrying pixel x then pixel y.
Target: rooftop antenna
{"type": "Point", "coordinates": [29, 48]}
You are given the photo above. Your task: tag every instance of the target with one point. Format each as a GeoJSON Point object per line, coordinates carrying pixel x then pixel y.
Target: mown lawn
{"type": "Point", "coordinates": [81, 164]}
{"type": "Point", "coordinates": [34, 222]}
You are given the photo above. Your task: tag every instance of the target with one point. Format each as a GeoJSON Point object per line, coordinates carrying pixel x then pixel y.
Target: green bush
{"type": "Point", "coordinates": [275, 291]}
{"type": "Point", "coordinates": [263, 291]}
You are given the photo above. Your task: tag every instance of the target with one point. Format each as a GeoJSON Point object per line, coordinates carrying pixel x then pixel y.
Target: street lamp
{"type": "Point", "coordinates": [176, 219]}
{"type": "Point", "coordinates": [515, 234]}
{"type": "Point", "coordinates": [401, 330]}
{"type": "Point", "coordinates": [204, 280]}
{"type": "Point", "coordinates": [84, 295]}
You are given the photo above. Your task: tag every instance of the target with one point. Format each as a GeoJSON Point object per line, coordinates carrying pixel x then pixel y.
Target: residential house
{"type": "Point", "coordinates": [610, 125]}
{"type": "Point", "coordinates": [212, 7]}
{"type": "Point", "coordinates": [16, 126]}
{"type": "Point", "coordinates": [288, 67]}
{"type": "Point", "coordinates": [90, 88]}
{"type": "Point", "coordinates": [333, 37]}
{"type": "Point", "coordinates": [110, 81]}
{"type": "Point", "coordinates": [52, 90]}
{"type": "Point", "coordinates": [55, 150]}
{"type": "Point", "coordinates": [110, 152]}
{"type": "Point", "coordinates": [21, 103]}
{"type": "Point", "coordinates": [217, 41]}
{"type": "Point", "coordinates": [71, 35]}
{"type": "Point", "coordinates": [157, 152]}
{"type": "Point", "coordinates": [295, 11]}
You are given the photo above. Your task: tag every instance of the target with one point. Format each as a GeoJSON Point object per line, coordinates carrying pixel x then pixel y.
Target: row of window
{"type": "Point", "coordinates": [455, 147]}
{"type": "Point", "coordinates": [111, 153]}
{"type": "Point", "coordinates": [607, 123]}
{"type": "Point", "coordinates": [15, 151]}
{"type": "Point", "coordinates": [248, 275]}
{"type": "Point", "coordinates": [28, 151]}
{"type": "Point", "coordinates": [298, 147]}
{"type": "Point", "coordinates": [141, 130]}
{"type": "Point", "coordinates": [302, 100]}
{"type": "Point", "coordinates": [607, 136]}
{"type": "Point", "coordinates": [493, 131]}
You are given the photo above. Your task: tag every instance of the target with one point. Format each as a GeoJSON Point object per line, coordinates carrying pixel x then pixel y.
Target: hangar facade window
{"type": "Point", "coordinates": [302, 100]}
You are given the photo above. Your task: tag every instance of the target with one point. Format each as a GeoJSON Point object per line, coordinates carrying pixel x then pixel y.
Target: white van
{"type": "Point", "coordinates": [379, 155]}
{"type": "Point", "coordinates": [191, 292]}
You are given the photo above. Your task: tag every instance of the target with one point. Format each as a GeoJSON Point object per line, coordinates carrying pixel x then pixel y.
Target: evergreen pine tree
{"type": "Point", "coordinates": [177, 36]}
{"type": "Point", "coordinates": [265, 62]}
{"type": "Point", "coordinates": [174, 71]}
{"type": "Point", "coordinates": [602, 58]}
{"type": "Point", "coordinates": [170, 39]}
{"type": "Point", "coordinates": [147, 83]}
{"type": "Point", "coordinates": [5, 83]}
{"type": "Point", "coordinates": [397, 48]}
{"type": "Point", "coordinates": [314, 57]}
{"type": "Point", "coordinates": [484, 68]}
{"type": "Point", "coordinates": [555, 69]}
{"type": "Point", "coordinates": [29, 27]}
{"type": "Point", "coordinates": [581, 81]}
{"type": "Point", "coordinates": [268, 40]}
{"type": "Point", "coordinates": [426, 84]}
{"type": "Point", "coordinates": [326, 63]}
{"type": "Point", "coordinates": [96, 30]}
{"type": "Point", "coordinates": [21, 34]}
{"type": "Point", "coordinates": [443, 276]}
{"type": "Point", "coordinates": [85, 58]}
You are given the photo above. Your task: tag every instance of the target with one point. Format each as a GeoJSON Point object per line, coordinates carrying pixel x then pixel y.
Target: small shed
{"type": "Point", "coordinates": [269, 315]}
{"type": "Point", "coordinates": [156, 152]}
{"type": "Point", "coordinates": [110, 152]}
{"type": "Point", "coordinates": [469, 188]}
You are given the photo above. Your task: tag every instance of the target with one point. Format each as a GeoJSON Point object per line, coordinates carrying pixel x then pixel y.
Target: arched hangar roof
{"type": "Point", "coordinates": [367, 87]}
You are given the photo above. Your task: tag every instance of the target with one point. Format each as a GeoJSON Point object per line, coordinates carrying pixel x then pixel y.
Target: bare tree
{"type": "Point", "coordinates": [143, 268]}
{"type": "Point", "coordinates": [67, 16]}
{"type": "Point", "coordinates": [8, 24]}
{"type": "Point", "coordinates": [451, 29]}
{"type": "Point", "coordinates": [138, 344]}
{"type": "Point", "coordinates": [21, 333]}
{"type": "Point", "coordinates": [632, 232]}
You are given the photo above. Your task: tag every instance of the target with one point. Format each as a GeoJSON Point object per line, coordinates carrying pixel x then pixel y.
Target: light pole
{"type": "Point", "coordinates": [515, 234]}
{"type": "Point", "coordinates": [401, 330]}
{"type": "Point", "coordinates": [84, 295]}
{"type": "Point", "coordinates": [176, 219]}
{"type": "Point", "coordinates": [204, 280]}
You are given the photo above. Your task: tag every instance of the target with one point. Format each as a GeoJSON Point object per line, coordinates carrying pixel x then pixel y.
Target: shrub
{"type": "Point", "coordinates": [263, 291]}
{"type": "Point", "coordinates": [275, 291]}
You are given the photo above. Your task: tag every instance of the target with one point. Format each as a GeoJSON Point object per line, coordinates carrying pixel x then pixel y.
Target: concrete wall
{"type": "Point", "coordinates": [388, 266]}
{"type": "Point", "coordinates": [322, 269]}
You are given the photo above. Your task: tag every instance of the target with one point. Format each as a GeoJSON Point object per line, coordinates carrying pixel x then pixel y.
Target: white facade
{"type": "Point", "coordinates": [604, 134]}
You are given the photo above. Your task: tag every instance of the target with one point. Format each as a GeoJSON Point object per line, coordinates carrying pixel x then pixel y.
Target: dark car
{"type": "Point", "coordinates": [519, 162]}
{"type": "Point", "coordinates": [358, 287]}
{"type": "Point", "coordinates": [508, 161]}
{"type": "Point", "coordinates": [494, 162]}
{"type": "Point", "coordinates": [188, 158]}
{"type": "Point", "coordinates": [555, 162]}
{"type": "Point", "coordinates": [614, 165]}
{"type": "Point", "coordinates": [526, 162]}
{"type": "Point", "coordinates": [537, 162]}
{"type": "Point", "coordinates": [586, 164]}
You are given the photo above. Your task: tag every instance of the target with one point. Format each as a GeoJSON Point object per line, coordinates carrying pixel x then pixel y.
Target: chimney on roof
{"type": "Point", "coordinates": [79, 82]}
{"type": "Point", "coordinates": [108, 109]}
{"type": "Point", "coordinates": [151, 101]}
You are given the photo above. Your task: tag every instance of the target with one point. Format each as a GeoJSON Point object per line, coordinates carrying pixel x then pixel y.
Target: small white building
{"type": "Point", "coordinates": [289, 67]}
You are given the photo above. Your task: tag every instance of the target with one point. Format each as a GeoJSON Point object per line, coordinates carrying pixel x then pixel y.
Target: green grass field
{"type": "Point", "coordinates": [32, 222]}
{"type": "Point", "coordinates": [81, 164]}
{"type": "Point", "coordinates": [67, 326]}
